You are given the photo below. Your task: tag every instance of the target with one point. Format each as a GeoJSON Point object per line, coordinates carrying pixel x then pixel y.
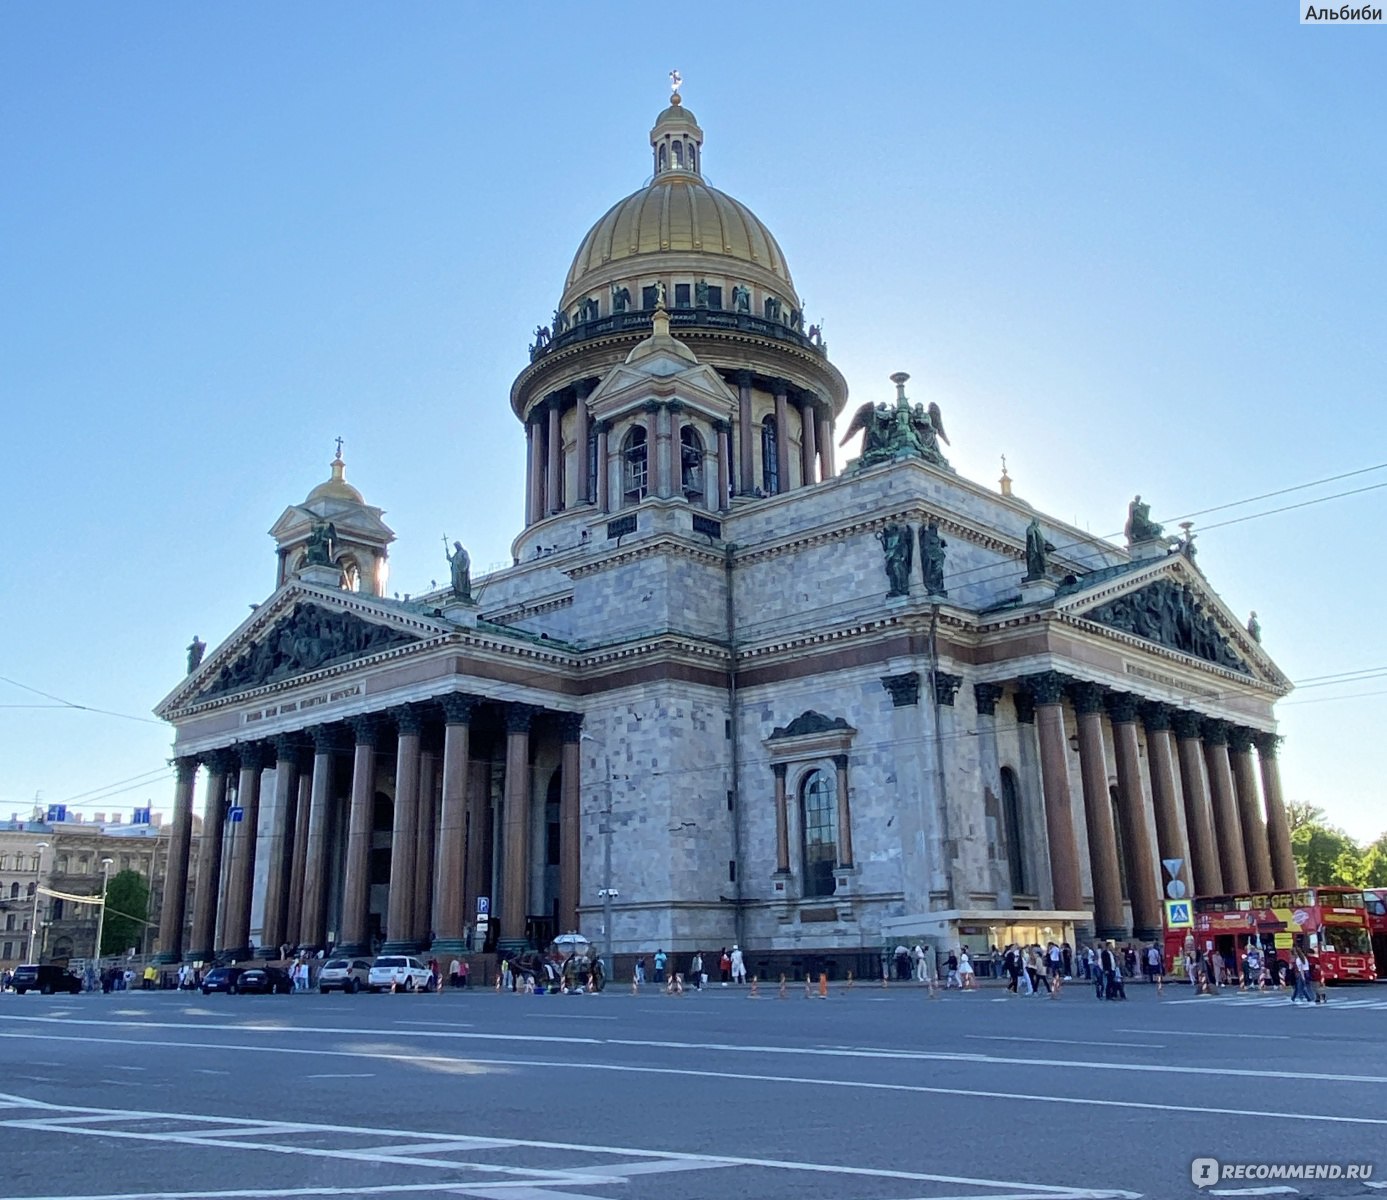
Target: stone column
{"type": "Point", "coordinates": [825, 440]}
{"type": "Point", "coordinates": [1165, 792]}
{"type": "Point", "coordinates": [534, 475]}
{"type": "Point", "coordinates": [241, 870]}
{"type": "Point", "coordinates": [581, 436]}
{"type": "Point", "coordinates": [404, 835]}
{"type": "Point", "coordinates": [667, 474]}
{"type": "Point", "coordinates": [515, 830]}
{"type": "Point", "coordinates": [1199, 821]}
{"type": "Point", "coordinates": [782, 822]}
{"type": "Point", "coordinates": [604, 468]}
{"type": "Point", "coordinates": [553, 463]}
{"type": "Point", "coordinates": [1255, 839]}
{"type": "Point", "coordinates": [313, 922]}
{"type": "Point", "coordinates": [209, 858]}
{"type": "Point", "coordinates": [451, 919]}
{"type": "Point", "coordinates": [425, 861]}
{"type": "Point", "coordinates": [782, 433]}
{"type": "Point", "coordinates": [298, 863]}
{"type": "Point", "coordinates": [746, 436]}
{"type": "Point", "coordinates": [1047, 691]}
{"type": "Point", "coordinates": [809, 447]}
{"type": "Point", "coordinates": [174, 909]}
{"type": "Point", "coordinates": [654, 485]}
{"type": "Point", "coordinates": [356, 893]}
{"type": "Point", "coordinates": [1102, 839]}
{"type": "Point", "coordinates": [1283, 863]}
{"type": "Point", "coordinates": [840, 768]}
{"type": "Point", "coordinates": [480, 857]}
{"type": "Point", "coordinates": [1228, 833]}
{"type": "Point", "coordinates": [724, 467]}
{"type": "Point", "coordinates": [570, 821]}
{"type": "Point", "coordinates": [278, 845]}
{"type": "Point", "coordinates": [1143, 871]}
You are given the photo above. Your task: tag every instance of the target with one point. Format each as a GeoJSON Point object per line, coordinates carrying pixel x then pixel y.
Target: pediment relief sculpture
{"type": "Point", "coordinates": [1170, 614]}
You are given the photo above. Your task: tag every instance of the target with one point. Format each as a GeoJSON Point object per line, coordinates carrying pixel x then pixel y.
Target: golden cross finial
{"type": "Point", "coordinates": [339, 447]}
{"type": "Point", "coordinates": [675, 81]}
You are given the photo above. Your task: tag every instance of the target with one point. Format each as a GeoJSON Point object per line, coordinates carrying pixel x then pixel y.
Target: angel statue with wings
{"type": "Point", "coordinates": [899, 431]}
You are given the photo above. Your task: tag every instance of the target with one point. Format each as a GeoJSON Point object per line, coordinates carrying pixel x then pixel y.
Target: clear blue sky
{"type": "Point", "coordinates": [1132, 247]}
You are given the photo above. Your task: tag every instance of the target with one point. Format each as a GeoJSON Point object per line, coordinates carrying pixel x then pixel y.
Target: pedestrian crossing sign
{"type": "Point", "coordinates": [1177, 914]}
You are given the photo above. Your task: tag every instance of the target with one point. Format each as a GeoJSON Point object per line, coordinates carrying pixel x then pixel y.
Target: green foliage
{"type": "Point", "coordinates": [127, 898]}
{"type": "Point", "coordinates": [1325, 854]}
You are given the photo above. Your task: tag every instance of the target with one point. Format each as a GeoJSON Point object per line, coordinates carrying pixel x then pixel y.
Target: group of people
{"type": "Point", "coordinates": [729, 964]}
{"type": "Point", "coordinates": [1255, 969]}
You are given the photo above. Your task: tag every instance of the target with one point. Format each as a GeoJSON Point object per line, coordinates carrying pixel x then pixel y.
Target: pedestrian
{"type": "Point", "coordinates": [640, 970]}
{"type": "Point", "coordinates": [1011, 964]}
{"type": "Point", "coordinates": [1155, 966]}
{"type": "Point", "coordinates": [917, 956]}
{"type": "Point", "coordinates": [696, 970]}
{"type": "Point", "coordinates": [1300, 973]}
{"type": "Point", "coordinates": [1054, 968]}
{"type": "Point", "coordinates": [1317, 981]}
{"type": "Point", "coordinates": [952, 980]}
{"type": "Point", "coordinates": [464, 973]}
{"type": "Point", "coordinates": [725, 967]}
{"type": "Point", "coordinates": [435, 976]}
{"type": "Point", "coordinates": [660, 959]}
{"type": "Point", "coordinates": [1067, 954]}
{"type": "Point", "coordinates": [965, 970]}
{"type": "Point", "coordinates": [738, 965]}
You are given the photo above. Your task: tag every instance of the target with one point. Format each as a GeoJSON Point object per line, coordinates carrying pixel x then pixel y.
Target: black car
{"type": "Point", "coordinates": [265, 981]}
{"type": "Point", "coordinates": [222, 979]}
{"type": "Point", "coordinates": [46, 978]}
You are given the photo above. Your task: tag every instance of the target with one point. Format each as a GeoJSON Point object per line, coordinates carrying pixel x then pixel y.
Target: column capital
{"type": "Point", "coordinates": [1087, 696]}
{"type": "Point", "coordinates": [365, 728]}
{"type": "Point", "coordinates": [325, 737]}
{"type": "Point", "coordinates": [778, 770]}
{"type": "Point", "coordinates": [519, 717]}
{"type": "Point", "coordinates": [255, 756]}
{"type": "Point", "coordinates": [1240, 739]}
{"type": "Point", "coordinates": [1123, 707]}
{"type": "Point", "coordinates": [1025, 706]}
{"type": "Point", "coordinates": [585, 388]}
{"type": "Point", "coordinates": [1045, 687]}
{"type": "Point", "coordinates": [676, 405]}
{"type": "Point", "coordinates": [743, 378]}
{"type": "Point", "coordinates": [780, 387]}
{"type": "Point", "coordinates": [840, 763]}
{"type": "Point", "coordinates": [810, 400]}
{"type": "Point", "coordinates": [721, 426]}
{"type": "Point", "coordinates": [570, 727]}
{"type": "Point", "coordinates": [186, 767]}
{"type": "Point", "coordinates": [1186, 723]}
{"type": "Point", "coordinates": [458, 707]}
{"type": "Point", "coordinates": [651, 406]}
{"type": "Point", "coordinates": [1266, 743]}
{"type": "Point", "coordinates": [221, 761]}
{"type": "Point", "coordinates": [985, 696]}
{"type": "Point", "coordinates": [904, 689]}
{"type": "Point", "coordinates": [408, 718]}
{"type": "Point", "coordinates": [1155, 715]}
{"type": "Point", "coordinates": [1215, 731]}
{"type": "Point", "coordinates": [286, 748]}
{"type": "Point", "coordinates": [945, 687]}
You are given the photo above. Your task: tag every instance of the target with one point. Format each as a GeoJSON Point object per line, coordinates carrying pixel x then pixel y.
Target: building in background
{"type": "Point", "coordinates": [806, 710]}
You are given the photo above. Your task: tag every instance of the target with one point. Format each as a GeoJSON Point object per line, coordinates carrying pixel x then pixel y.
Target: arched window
{"type": "Point", "coordinates": [33, 887]}
{"type": "Point", "coordinates": [62, 864]}
{"type": "Point", "coordinates": [633, 466]}
{"type": "Point", "coordinates": [664, 161]}
{"type": "Point", "coordinates": [1011, 822]}
{"type": "Point", "coordinates": [770, 456]}
{"type": "Point", "coordinates": [678, 150]}
{"type": "Point", "coordinates": [14, 891]}
{"type": "Point", "coordinates": [693, 157]}
{"type": "Point", "coordinates": [691, 463]}
{"type": "Point", "coordinates": [818, 796]}
{"type": "Point", "coordinates": [1117, 841]}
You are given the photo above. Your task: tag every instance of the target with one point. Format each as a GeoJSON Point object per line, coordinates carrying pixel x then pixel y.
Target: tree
{"type": "Point", "coordinates": [1326, 855]}
{"type": "Point", "coordinates": [127, 897]}
{"type": "Point", "coordinates": [1374, 872]}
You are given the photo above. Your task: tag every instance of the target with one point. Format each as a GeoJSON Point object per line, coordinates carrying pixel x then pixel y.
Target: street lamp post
{"type": "Point", "coordinates": [606, 892]}
{"type": "Point", "coordinates": [101, 912]}
{"type": "Point", "coordinates": [34, 918]}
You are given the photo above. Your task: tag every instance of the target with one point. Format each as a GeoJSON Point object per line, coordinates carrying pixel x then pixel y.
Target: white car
{"type": "Point", "coordinates": [406, 974]}
{"type": "Point", "coordinates": [348, 974]}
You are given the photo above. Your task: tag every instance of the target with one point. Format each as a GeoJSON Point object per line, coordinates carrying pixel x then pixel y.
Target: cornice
{"type": "Point", "coordinates": [658, 543]}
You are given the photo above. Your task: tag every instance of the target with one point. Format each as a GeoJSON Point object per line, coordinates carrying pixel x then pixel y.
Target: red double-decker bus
{"type": "Point", "coordinates": [1329, 925]}
{"type": "Point", "coordinates": [1376, 900]}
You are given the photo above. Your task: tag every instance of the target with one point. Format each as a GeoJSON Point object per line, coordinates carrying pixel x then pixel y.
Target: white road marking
{"type": "Point", "coordinates": [290, 1193]}
{"type": "Point", "coordinates": [1049, 1041]}
{"type": "Point", "coordinates": [584, 1178]}
{"type": "Point", "coordinates": [1261, 1037]}
{"type": "Point", "coordinates": [344, 1075]}
{"type": "Point", "coordinates": [1274, 1190]}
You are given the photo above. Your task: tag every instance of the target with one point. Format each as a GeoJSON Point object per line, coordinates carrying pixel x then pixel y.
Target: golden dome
{"type": "Point", "coordinates": [677, 215]}
{"type": "Point", "coordinates": [336, 488]}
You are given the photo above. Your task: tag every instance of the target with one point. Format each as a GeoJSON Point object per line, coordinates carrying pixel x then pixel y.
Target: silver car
{"type": "Point", "coordinates": [347, 974]}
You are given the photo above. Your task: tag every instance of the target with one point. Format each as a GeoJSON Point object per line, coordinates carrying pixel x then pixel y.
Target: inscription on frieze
{"type": "Point", "coordinates": [1170, 614]}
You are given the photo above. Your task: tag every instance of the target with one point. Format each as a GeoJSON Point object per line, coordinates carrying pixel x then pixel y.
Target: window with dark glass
{"type": "Point", "coordinates": [714, 296]}
{"type": "Point", "coordinates": [691, 463]}
{"type": "Point", "coordinates": [770, 456]}
{"type": "Point", "coordinates": [650, 295]}
{"type": "Point", "coordinates": [819, 808]}
{"type": "Point", "coordinates": [634, 484]}
{"type": "Point", "coordinates": [1011, 822]}
{"type": "Point", "coordinates": [681, 295]}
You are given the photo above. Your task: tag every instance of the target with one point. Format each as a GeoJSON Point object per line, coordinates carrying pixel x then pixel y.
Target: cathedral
{"type": "Point", "coordinates": [730, 691]}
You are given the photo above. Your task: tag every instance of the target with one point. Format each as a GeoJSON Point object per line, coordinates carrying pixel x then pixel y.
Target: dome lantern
{"type": "Point", "coordinates": [676, 142]}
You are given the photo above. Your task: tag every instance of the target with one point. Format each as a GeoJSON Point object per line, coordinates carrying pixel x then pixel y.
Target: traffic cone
{"type": "Point", "coordinates": [823, 985]}
{"type": "Point", "coordinates": [635, 986]}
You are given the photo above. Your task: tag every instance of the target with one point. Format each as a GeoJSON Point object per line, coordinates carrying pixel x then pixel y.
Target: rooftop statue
{"type": "Point", "coordinates": [460, 566]}
{"type": "Point", "coordinates": [1254, 627]}
{"type": "Point", "coordinates": [1140, 526]}
{"type": "Point", "coordinates": [1037, 548]}
{"type": "Point", "coordinates": [899, 431]}
{"type": "Point", "coordinates": [322, 539]}
{"type": "Point", "coordinates": [197, 648]}
{"type": "Point", "coordinates": [898, 544]}
{"type": "Point", "coordinates": [932, 559]}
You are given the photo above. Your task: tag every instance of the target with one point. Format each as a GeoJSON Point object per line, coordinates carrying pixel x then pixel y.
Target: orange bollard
{"type": "Point", "coordinates": [783, 991]}
{"type": "Point", "coordinates": [823, 985]}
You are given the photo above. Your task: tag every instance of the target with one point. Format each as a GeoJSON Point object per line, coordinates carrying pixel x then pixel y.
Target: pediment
{"type": "Point", "coordinates": [357, 520]}
{"type": "Point", "coordinates": [1170, 604]}
{"type": "Point", "coordinates": [698, 385]}
{"type": "Point", "coordinates": [302, 629]}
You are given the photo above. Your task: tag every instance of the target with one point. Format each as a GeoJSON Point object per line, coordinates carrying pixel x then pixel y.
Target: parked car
{"type": "Point", "coordinates": [265, 981]}
{"type": "Point", "coordinates": [346, 974]}
{"type": "Point", "coordinates": [222, 979]}
{"type": "Point", "coordinates": [46, 978]}
{"type": "Point", "coordinates": [397, 970]}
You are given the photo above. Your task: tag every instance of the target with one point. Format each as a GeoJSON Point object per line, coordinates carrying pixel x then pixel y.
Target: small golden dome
{"type": "Point", "coordinates": [336, 488]}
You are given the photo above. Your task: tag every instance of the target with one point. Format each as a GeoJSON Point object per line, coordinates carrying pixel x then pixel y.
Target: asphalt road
{"type": "Point", "coordinates": [868, 1095]}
